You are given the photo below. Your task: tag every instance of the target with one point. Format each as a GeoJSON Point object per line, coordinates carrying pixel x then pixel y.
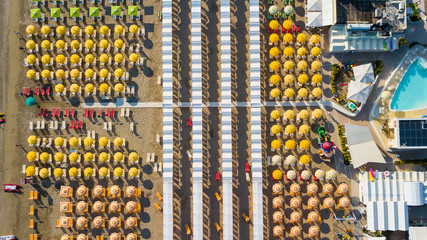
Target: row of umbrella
{"type": "Point", "coordinates": [291, 159]}
{"type": "Point", "coordinates": [98, 191]}
{"type": "Point", "coordinates": [290, 144]}
{"type": "Point", "coordinates": [75, 30]}
{"type": "Point", "coordinates": [289, 51]}
{"type": "Point", "coordinates": [296, 202]}
{"type": "Point", "coordinates": [89, 58]}
{"type": "Point", "coordinates": [98, 206]}
{"type": "Point", "coordinates": [289, 38]}
{"type": "Point", "coordinates": [74, 141]}
{"type": "Point", "coordinates": [312, 189]}
{"type": "Point", "coordinates": [290, 93]}
{"type": "Point", "coordinates": [98, 222]}
{"type": "Point", "coordinates": [290, 130]}
{"type": "Point", "coordinates": [93, 12]}
{"type": "Point", "coordinates": [74, 172]}
{"type": "Point", "coordinates": [74, 157]}
{"type": "Point", "coordinates": [90, 88]}
{"type": "Point", "coordinates": [296, 231]}
{"type": "Point", "coordinates": [75, 73]}
{"type": "Point", "coordinates": [305, 174]}
{"type": "Point", "coordinates": [289, 79]}
{"type": "Point", "coordinates": [301, 65]}
{"type": "Point", "coordinates": [290, 114]}
{"type": "Point", "coordinates": [75, 44]}
{"type": "Point", "coordinates": [113, 236]}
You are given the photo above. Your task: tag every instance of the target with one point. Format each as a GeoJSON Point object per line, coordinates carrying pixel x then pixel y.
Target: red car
{"type": "Point", "coordinates": [11, 187]}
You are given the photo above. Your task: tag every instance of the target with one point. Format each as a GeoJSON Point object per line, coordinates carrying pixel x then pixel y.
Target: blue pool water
{"type": "Point", "coordinates": [411, 93]}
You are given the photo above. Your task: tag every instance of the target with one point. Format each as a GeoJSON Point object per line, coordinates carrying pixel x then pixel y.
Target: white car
{"type": "Point", "coordinates": [8, 237]}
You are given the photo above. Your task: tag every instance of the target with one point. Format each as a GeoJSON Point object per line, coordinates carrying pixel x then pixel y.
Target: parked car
{"type": "Point", "coordinates": [8, 237]}
{"type": "Point", "coordinates": [11, 188]}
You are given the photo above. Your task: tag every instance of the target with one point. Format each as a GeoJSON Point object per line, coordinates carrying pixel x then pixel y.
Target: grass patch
{"type": "Point", "coordinates": [334, 73]}
{"type": "Point", "coordinates": [402, 41]}
{"type": "Point", "coordinates": [378, 67]}
{"type": "Point", "coordinates": [343, 142]}
{"type": "Point", "coordinates": [416, 14]}
{"type": "Point", "coordinates": [413, 161]}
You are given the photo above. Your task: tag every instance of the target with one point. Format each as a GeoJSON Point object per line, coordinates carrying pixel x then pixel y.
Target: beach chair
{"type": "Point", "coordinates": [218, 228]}
{"type": "Point", "coordinates": [71, 112]}
{"type": "Point", "coordinates": [218, 197]}
{"type": "Point", "coordinates": [132, 90]}
{"type": "Point", "coordinates": [127, 113]}
{"type": "Point", "coordinates": [112, 113]}
{"type": "Point", "coordinates": [159, 196]}
{"type": "Point", "coordinates": [72, 124]}
{"type": "Point", "coordinates": [91, 113]}
{"type": "Point", "coordinates": [85, 114]}
{"type": "Point", "coordinates": [105, 128]}
{"type": "Point", "coordinates": [31, 213]}
{"type": "Point", "coordinates": [31, 127]}
{"type": "Point", "coordinates": [67, 111]}
{"type": "Point", "coordinates": [158, 138]}
{"type": "Point", "coordinates": [148, 158]}
{"type": "Point", "coordinates": [217, 177]}
{"type": "Point", "coordinates": [110, 126]}
{"type": "Point", "coordinates": [155, 166]}
{"type": "Point", "coordinates": [31, 195]}
{"type": "Point", "coordinates": [122, 112]}
{"type": "Point", "coordinates": [81, 124]}
{"type": "Point", "coordinates": [46, 112]}
{"type": "Point", "coordinates": [41, 112]}
{"type": "Point", "coordinates": [64, 125]}
{"type": "Point", "coordinates": [31, 226]}
{"type": "Point", "coordinates": [190, 156]}
{"type": "Point", "coordinates": [36, 195]}
{"type": "Point", "coordinates": [38, 141]}
{"type": "Point", "coordinates": [153, 157]}
{"type": "Point", "coordinates": [36, 92]}
{"type": "Point", "coordinates": [158, 207]}
{"type": "Point", "coordinates": [57, 113]}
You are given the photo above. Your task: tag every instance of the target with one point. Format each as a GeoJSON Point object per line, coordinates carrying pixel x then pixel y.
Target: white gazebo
{"type": "Point", "coordinates": [358, 91]}
{"type": "Point", "coordinates": [314, 6]}
{"type": "Point", "coordinates": [314, 19]}
{"type": "Point", "coordinates": [364, 73]}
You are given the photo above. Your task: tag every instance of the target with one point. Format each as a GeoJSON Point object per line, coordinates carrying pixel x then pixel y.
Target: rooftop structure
{"type": "Point", "coordinates": [410, 133]}
{"type": "Point", "coordinates": [321, 13]}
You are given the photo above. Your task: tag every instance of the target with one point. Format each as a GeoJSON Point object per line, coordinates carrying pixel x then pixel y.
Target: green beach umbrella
{"type": "Point", "coordinates": [132, 10]}
{"type": "Point", "coordinates": [55, 12]}
{"type": "Point", "coordinates": [35, 0]}
{"type": "Point", "coordinates": [116, 11]}
{"type": "Point", "coordinates": [75, 12]}
{"type": "Point", "coordinates": [94, 12]}
{"type": "Point", "coordinates": [35, 13]}
{"type": "Point", "coordinates": [30, 101]}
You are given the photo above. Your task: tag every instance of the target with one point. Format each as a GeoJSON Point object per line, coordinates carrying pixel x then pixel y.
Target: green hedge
{"type": "Point", "coordinates": [402, 41]}
{"type": "Point", "coordinates": [416, 17]}
{"type": "Point", "coordinates": [343, 142]}
{"type": "Point", "coordinates": [413, 161]}
{"type": "Point", "coordinates": [378, 67]}
{"type": "Point", "coordinates": [335, 70]}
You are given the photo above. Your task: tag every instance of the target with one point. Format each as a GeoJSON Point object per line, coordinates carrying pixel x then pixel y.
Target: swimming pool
{"type": "Point", "coordinates": [411, 93]}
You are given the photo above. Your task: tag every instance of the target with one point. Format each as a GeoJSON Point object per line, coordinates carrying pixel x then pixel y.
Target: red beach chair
{"type": "Point", "coordinates": [107, 114]}
{"type": "Point", "coordinates": [293, 29]}
{"type": "Point", "coordinates": [47, 91]}
{"type": "Point", "coordinates": [52, 114]}
{"type": "Point", "coordinates": [42, 91]}
{"type": "Point", "coordinates": [72, 112]}
{"type": "Point", "coordinates": [85, 114]}
{"type": "Point", "coordinates": [217, 176]}
{"type": "Point", "coordinates": [276, 31]}
{"type": "Point", "coordinates": [41, 112]}
{"type": "Point", "coordinates": [46, 112]}
{"type": "Point", "coordinates": [112, 112]}
{"type": "Point", "coordinates": [270, 30]}
{"type": "Point", "coordinates": [36, 92]}
{"type": "Point", "coordinates": [247, 167]}
{"type": "Point", "coordinates": [58, 113]}
{"type": "Point", "coordinates": [99, 113]}
{"type": "Point", "coordinates": [66, 112]}
{"type": "Point", "coordinates": [81, 124]}
{"type": "Point", "coordinates": [72, 124]}
{"type": "Point", "coordinates": [189, 122]}
{"type": "Point", "coordinates": [24, 91]}
{"type": "Point", "coordinates": [283, 30]}
{"type": "Point", "coordinates": [91, 113]}
{"type": "Point", "coordinates": [298, 29]}
{"type": "Point", "coordinates": [289, 30]}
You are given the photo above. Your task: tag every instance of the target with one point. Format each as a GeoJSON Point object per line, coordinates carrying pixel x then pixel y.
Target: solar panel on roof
{"type": "Point", "coordinates": [413, 133]}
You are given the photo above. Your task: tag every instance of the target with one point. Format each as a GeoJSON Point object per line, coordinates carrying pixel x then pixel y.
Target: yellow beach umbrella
{"type": "Point", "coordinates": [288, 38]}
{"type": "Point", "coordinates": [73, 172]}
{"type": "Point", "coordinates": [118, 157]}
{"type": "Point", "coordinates": [32, 140]}
{"type": "Point", "coordinates": [303, 114]}
{"type": "Point", "coordinates": [45, 73]}
{"type": "Point", "coordinates": [104, 44]}
{"type": "Point", "coordinates": [88, 157]}
{"type": "Point", "coordinates": [118, 72]}
{"type": "Point", "coordinates": [277, 174]}
{"type": "Point", "coordinates": [89, 58]}
{"type": "Point", "coordinates": [290, 129]}
{"type": "Point", "coordinates": [44, 173]}
{"type": "Point", "coordinates": [89, 44]}
{"type": "Point", "coordinates": [104, 88]}
{"type": "Point", "coordinates": [289, 65]}
{"type": "Point", "coordinates": [89, 30]}
{"type": "Point", "coordinates": [45, 29]}
{"type": "Point", "coordinates": [274, 52]}
{"type": "Point", "coordinates": [133, 57]}
{"type": "Point", "coordinates": [60, 74]}
{"type": "Point", "coordinates": [289, 79]}
{"type": "Point", "coordinates": [302, 65]}
{"type": "Point", "coordinates": [60, 44]}
{"type": "Point", "coordinates": [104, 58]}
{"type": "Point", "coordinates": [290, 144]}
{"type": "Point", "coordinates": [133, 172]}
{"type": "Point", "coordinates": [316, 79]}
{"type": "Point", "coordinates": [302, 38]}
{"type": "Point", "coordinates": [104, 73]}
{"type": "Point", "coordinates": [289, 114]}
{"type": "Point", "coordinates": [104, 30]}
{"type": "Point", "coordinates": [118, 172]}
{"type": "Point", "coordinates": [118, 58]}
{"type": "Point", "coordinates": [315, 51]}
{"type": "Point", "coordinates": [119, 29]}
{"type": "Point", "coordinates": [75, 30]}
{"type": "Point", "coordinates": [274, 24]}
{"type": "Point", "coordinates": [30, 29]}
{"type": "Point", "coordinates": [44, 157]}
{"type": "Point", "coordinates": [88, 172]}
{"type": "Point", "coordinates": [274, 65]}
{"type": "Point", "coordinates": [75, 73]}
{"type": "Point", "coordinates": [103, 141]}
{"type": "Point", "coordinates": [315, 39]}
{"type": "Point", "coordinates": [316, 65]}
{"type": "Point", "coordinates": [118, 141]}
{"type": "Point", "coordinates": [31, 74]}
{"type": "Point", "coordinates": [118, 43]}
{"type": "Point", "coordinates": [275, 93]}
{"type": "Point", "coordinates": [75, 58]}
{"type": "Point", "coordinates": [60, 30]}
{"type": "Point", "coordinates": [275, 114]}
{"type": "Point", "coordinates": [31, 59]}
{"type": "Point", "coordinates": [305, 159]}
{"type": "Point", "coordinates": [103, 172]}
{"type": "Point", "coordinates": [119, 88]}
{"type": "Point", "coordinates": [304, 129]}
{"type": "Point", "coordinates": [133, 29]}
{"type": "Point", "coordinates": [288, 51]}
{"type": "Point", "coordinates": [317, 92]}
{"type": "Point", "coordinates": [275, 79]}
{"type": "Point", "coordinates": [46, 59]}
{"type": "Point", "coordinates": [89, 73]}
{"type": "Point", "coordinates": [304, 144]}
{"type": "Point", "coordinates": [89, 88]}
{"type": "Point", "coordinates": [30, 171]}
{"type": "Point", "coordinates": [59, 157]}
{"type": "Point", "coordinates": [103, 157]}
{"type": "Point", "coordinates": [276, 144]}
{"type": "Point", "coordinates": [60, 58]}
{"type": "Point", "coordinates": [317, 113]}
{"type": "Point", "coordinates": [31, 156]}
{"type": "Point", "coordinates": [75, 44]}
{"type": "Point", "coordinates": [386, 95]}
{"type": "Point", "coordinates": [274, 38]}
{"type": "Point", "coordinates": [133, 157]}
{"type": "Point", "coordinates": [59, 141]}
{"type": "Point", "coordinates": [74, 88]}
{"type": "Point", "coordinates": [302, 51]}
{"type": "Point", "coordinates": [303, 78]}
{"type": "Point", "coordinates": [30, 44]}
{"type": "Point", "coordinates": [289, 92]}
{"type": "Point", "coordinates": [59, 88]}
{"type": "Point", "coordinates": [287, 24]}
{"type": "Point", "coordinates": [73, 157]}
{"type": "Point", "coordinates": [88, 141]}
{"type": "Point", "coordinates": [74, 142]}
{"type": "Point", "coordinates": [276, 129]}
{"type": "Point", "coordinates": [303, 92]}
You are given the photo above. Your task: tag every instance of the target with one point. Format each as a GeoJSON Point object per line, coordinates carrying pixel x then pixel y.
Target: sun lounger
{"type": "Point", "coordinates": [131, 127]}
{"type": "Point", "coordinates": [132, 90]}
{"type": "Point", "coordinates": [153, 157]}
{"type": "Point", "coordinates": [24, 169]}
{"type": "Point", "coordinates": [122, 112]}
{"type": "Point", "coordinates": [190, 156]}
{"type": "Point", "coordinates": [127, 114]}
{"type": "Point", "coordinates": [38, 125]}
{"type": "Point", "coordinates": [31, 127]}
{"type": "Point", "coordinates": [105, 126]}
{"type": "Point", "coordinates": [91, 113]}
{"type": "Point", "coordinates": [148, 158]}
{"type": "Point", "coordinates": [71, 112]}
{"type": "Point", "coordinates": [110, 126]}
{"type": "Point", "coordinates": [158, 138]}
{"type": "Point", "coordinates": [42, 125]}
{"type": "Point", "coordinates": [155, 165]}
{"type": "Point", "coordinates": [41, 112]}
{"type": "Point", "coordinates": [49, 144]}
{"type": "Point", "coordinates": [64, 125]}
{"type": "Point", "coordinates": [112, 113]}
{"type": "Point", "coordinates": [38, 142]}
{"type": "Point", "coordinates": [85, 114]}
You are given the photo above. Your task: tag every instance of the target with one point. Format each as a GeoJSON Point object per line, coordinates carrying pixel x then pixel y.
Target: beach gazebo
{"type": "Point", "coordinates": [312, 189]}
{"type": "Point", "coordinates": [131, 222]}
{"type": "Point", "coordinates": [278, 231]}
{"type": "Point", "coordinates": [278, 202]}
{"type": "Point", "coordinates": [313, 203]}
{"type": "Point", "coordinates": [291, 175]}
{"type": "Point", "coordinates": [328, 188]}
{"type": "Point", "coordinates": [313, 231]}
{"type": "Point", "coordinates": [66, 191]}
{"type": "Point", "coordinates": [328, 203]}
{"type": "Point", "coordinates": [295, 189]}
{"type": "Point", "coordinates": [277, 189]}
{"type": "Point", "coordinates": [296, 217]}
{"type": "Point", "coordinates": [65, 207]}
{"type": "Point", "coordinates": [290, 160]}
{"type": "Point", "coordinates": [343, 189]}
{"type": "Point", "coordinates": [81, 223]}
{"type": "Point", "coordinates": [98, 207]}
{"type": "Point", "coordinates": [313, 217]}
{"type": "Point", "coordinates": [295, 202]}
{"type": "Point", "coordinates": [98, 191]}
{"type": "Point", "coordinates": [132, 207]}
{"type": "Point", "coordinates": [296, 231]}
{"type": "Point", "coordinates": [82, 191]}
{"type": "Point", "coordinates": [98, 222]}
{"type": "Point", "coordinates": [114, 207]}
{"type": "Point", "coordinates": [131, 191]}
{"type": "Point", "coordinates": [115, 222]}
{"type": "Point", "coordinates": [277, 217]}
{"type": "Point", "coordinates": [65, 222]}
{"type": "Point", "coordinates": [82, 207]}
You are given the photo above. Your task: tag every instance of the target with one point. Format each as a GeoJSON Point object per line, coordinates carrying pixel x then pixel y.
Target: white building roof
{"type": "Point", "coordinates": [314, 5]}
{"type": "Point", "coordinates": [414, 193]}
{"type": "Point", "coordinates": [314, 19]}
{"type": "Point", "coordinates": [328, 12]}
{"type": "Point", "coordinates": [384, 216]}
{"type": "Point", "coordinates": [364, 73]}
{"type": "Point", "coordinates": [320, 13]}
{"type": "Point", "coordinates": [417, 233]}
{"type": "Point", "coordinates": [358, 91]}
